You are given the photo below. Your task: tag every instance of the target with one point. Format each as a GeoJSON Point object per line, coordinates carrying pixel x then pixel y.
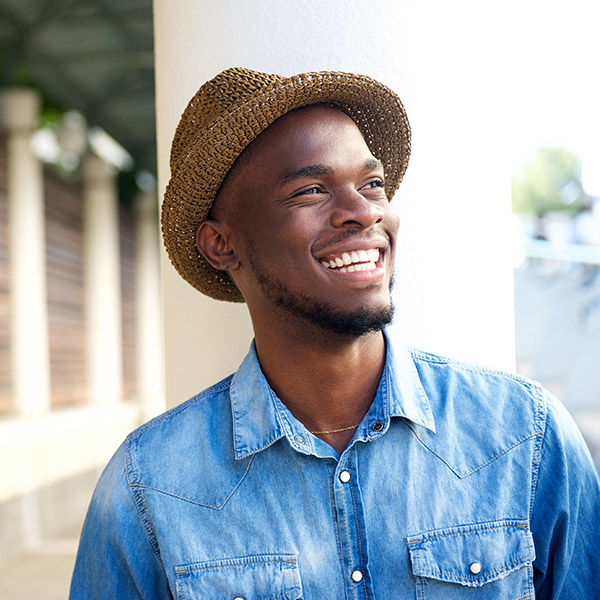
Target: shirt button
{"type": "Point", "coordinates": [300, 440]}
{"type": "Point", "coordinates": [356, 576]}
{"type": "Point", "coordinates": [344, 476]}
{"type": "Point", "coordinates": [239, 598]}
{"type": "Point", "coordinates": [377, 426]}
{"type": "Point", "coordinates": [475, 568]}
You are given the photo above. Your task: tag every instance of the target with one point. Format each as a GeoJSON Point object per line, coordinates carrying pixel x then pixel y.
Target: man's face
{"type": "Point", "coordinates": [317, 232]}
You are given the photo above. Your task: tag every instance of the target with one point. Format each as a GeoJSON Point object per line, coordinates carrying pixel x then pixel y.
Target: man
{"type": "Point", "coordinates": [334, 463]}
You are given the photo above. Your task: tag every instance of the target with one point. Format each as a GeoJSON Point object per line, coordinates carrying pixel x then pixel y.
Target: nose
{"type": "Point", "coordinates": [351, 208]}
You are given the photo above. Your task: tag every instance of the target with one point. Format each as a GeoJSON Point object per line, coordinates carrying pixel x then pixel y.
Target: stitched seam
{"type": "Point", "coordinates": [219, 507]}
{"type": "Point", "coordinates": [525, 597]}
{"type": "Point", "coordinates": [280, 418]}
{"type": "Point", "coordinates": [214, 390]}
{"type": "Point", "coordinates": [338, 542]}
{"type": "Point", "coordinates": [468, 529]}
{"type": "Point", "coordinates": [252, 453]}
{"type": "Point", "coordinates": [355, 515]}
{"type": "Point", "coordinates": [285, 426]}
{"type": "Point", "coordinates": [539, 446]}
{"type": "Point", "coordinates": [421, 588]}
{"type": "Point", "coordinates": [483, 579]}
{"type": "Point", "coordinates": [442, 360]}
{"type": "Point", "coordinates": [463, 475]}
{"type": "Point", "coordinates": [530, 579]}
{"type": "Point", "coordinates": [360, 552]}
{"type": "Point", "coordinates": [237, 438]}
{"type": "Point", "coordinates": [347, 539]}
{"type": "Point", "coordinates": [148, 529]}
{"type": "Point", "coordinates": [265, 561]}
{"type": "Point", "coordinates": [141, 507]}
{"type": "Point", "coordinates": [385, 392]}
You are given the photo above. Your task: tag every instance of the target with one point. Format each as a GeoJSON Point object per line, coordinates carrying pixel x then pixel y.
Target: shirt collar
{"type": "Point", "coordinates": [407, 397]}
{"type": "Point", "coordinates": [259, 417]}
{"type": "Point", "coordinates": [255, 420]}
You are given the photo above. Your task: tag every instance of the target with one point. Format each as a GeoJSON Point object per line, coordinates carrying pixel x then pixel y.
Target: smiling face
{"type": "Point", "coordinates": [305, 216]}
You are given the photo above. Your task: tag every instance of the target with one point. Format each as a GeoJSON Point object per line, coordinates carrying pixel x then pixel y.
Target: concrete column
{"type": "Point", "coordinates": [19, 113]}
{"type": "Point", "coordinates": [102, 283]}
{"type": "Point", "coordinates": [447, 62]}
{"type": "Point", "coordinates": [150, 358]}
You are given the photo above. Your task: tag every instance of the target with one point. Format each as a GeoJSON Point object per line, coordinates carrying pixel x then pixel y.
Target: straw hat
{"type": "Point", "coordinates": [230, 111]}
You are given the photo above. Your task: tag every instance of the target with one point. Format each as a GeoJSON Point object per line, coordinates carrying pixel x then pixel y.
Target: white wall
{"type": "Point", "coordinates": [454, 281]}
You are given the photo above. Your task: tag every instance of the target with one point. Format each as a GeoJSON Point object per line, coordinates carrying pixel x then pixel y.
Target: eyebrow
{"type": "Point", "coordinates": [373, 163]}
{"type": "Point", "coordinates": [315, 170]}
{"type": "Point", "coordinates": [308, 171]}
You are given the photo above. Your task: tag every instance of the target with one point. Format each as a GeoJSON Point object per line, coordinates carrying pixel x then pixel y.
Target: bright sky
{"type": "Point", "coordinates": [555, 54]}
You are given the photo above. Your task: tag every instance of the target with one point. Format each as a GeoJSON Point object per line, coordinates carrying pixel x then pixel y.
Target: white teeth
{"type": "Point", "coordinates": [356, 260]}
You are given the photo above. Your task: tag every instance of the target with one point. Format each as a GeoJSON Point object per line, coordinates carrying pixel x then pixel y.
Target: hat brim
{"type": "Point", "coordinates": [376, 110]}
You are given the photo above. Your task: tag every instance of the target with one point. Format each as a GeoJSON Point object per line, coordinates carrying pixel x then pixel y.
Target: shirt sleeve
{"type": "Point", "coordinates": [116, 558]}
{"type": "Point", "coordinates": [565, 520]}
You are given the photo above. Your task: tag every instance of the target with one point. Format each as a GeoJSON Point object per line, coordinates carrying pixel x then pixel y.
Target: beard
{"type": "Point", "coordinates": [325, 315]}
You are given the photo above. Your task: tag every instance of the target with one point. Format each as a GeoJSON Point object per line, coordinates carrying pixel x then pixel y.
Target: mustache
{"type": "Point", "coordinates": [356, 235]}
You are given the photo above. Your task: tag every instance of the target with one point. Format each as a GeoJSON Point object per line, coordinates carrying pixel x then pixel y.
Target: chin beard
{"type": "Point", "coordinates": [330, 318]}
{"type": "Point", "coordinates": [325, 315]}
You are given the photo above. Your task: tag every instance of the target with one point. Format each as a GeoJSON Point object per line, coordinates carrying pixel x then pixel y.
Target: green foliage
{"type": "Point", "coordinates": [550, 182]}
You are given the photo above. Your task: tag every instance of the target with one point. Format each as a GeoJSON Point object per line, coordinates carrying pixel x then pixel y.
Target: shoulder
{"type": "Point", "coordinates": [188, 453]}
{"type": "Point", "coordinates": [191, 416]}
{"type": "Point", "coordinates": [468, 385]}
{"type": "Point", "coordinates": [481, 414]}
{"type": "Point", "coordinates": [199, 421]}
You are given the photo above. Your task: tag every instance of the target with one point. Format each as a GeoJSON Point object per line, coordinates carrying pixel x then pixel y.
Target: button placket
{"type": "Point", "coordinates": [349, 505]}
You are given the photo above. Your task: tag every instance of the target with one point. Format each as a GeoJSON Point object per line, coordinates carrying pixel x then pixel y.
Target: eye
{"type": "Point", "coordinates": [315, 189]}
{"type": "Point", "coordinates": [374, 184]}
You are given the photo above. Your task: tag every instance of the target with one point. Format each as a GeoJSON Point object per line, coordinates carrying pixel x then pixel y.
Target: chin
{"type": "Point", "coordinates": [355, 324]}
{"type": "Point", "coordinates": [351, 322]}
{"type": "Point", "coordinates": [325, 314]}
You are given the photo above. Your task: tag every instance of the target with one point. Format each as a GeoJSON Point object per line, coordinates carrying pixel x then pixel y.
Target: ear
{"type": "Point", "coordinates": [212, 240]}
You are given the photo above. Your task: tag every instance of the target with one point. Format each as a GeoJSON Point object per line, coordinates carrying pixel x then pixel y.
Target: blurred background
{"type": "Point", "coordinates": [81, 358]}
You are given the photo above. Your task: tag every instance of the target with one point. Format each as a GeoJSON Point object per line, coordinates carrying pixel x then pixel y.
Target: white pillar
{"type": "Point", "coordinates": [454, 276]}
{"type": "Point", "coordinates": [102, 282]}
{"type": "Point", "coordinates": [19, 113]}
{"type": "Point", "coordinates": [149, 346]}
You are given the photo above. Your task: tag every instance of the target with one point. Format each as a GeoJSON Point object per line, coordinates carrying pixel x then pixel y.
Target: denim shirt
{"type": "Point", "coordinates": [460, 482]}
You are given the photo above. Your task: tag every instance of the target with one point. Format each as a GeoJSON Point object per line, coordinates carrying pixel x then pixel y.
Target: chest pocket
{"type": "Point", "coordinates": [488, 560]}
{"type": "Point", "coordinates": [259, 577]}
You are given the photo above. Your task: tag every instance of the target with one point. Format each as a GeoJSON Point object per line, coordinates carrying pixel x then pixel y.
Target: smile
{"type": "Point", "coordinates": [354, 260]}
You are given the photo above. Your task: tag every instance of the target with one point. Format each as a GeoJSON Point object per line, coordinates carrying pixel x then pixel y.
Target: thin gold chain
{"type": "Point", "coordinates": [334, 430]}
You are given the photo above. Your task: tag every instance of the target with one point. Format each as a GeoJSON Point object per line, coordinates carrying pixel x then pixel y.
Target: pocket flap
{"type": "Point", "coordinates": [472, 555]}
{"type": "Point", "coordinates": [258, 577]}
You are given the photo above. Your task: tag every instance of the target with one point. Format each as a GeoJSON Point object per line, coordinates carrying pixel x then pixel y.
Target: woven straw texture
{"type": "Point", "coordinates": [228, 113]}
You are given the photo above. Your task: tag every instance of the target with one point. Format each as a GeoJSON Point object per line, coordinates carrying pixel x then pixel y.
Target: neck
{"type": "Point", "coordinates": [327, 382]}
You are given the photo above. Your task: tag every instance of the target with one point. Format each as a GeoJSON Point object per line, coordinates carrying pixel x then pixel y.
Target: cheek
{"type": "Point", "coordinates": [392, 220]}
